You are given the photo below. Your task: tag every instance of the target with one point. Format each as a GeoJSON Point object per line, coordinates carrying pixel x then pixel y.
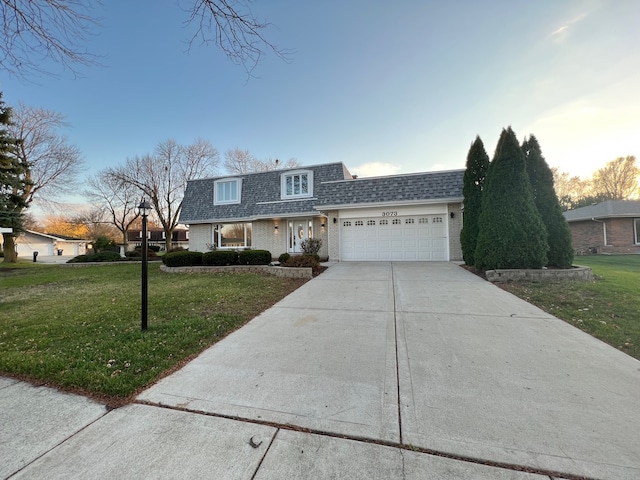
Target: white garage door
{"type": "Point", "coordinates": [402, 238]}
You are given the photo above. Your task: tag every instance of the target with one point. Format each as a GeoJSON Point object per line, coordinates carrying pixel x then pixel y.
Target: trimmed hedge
{"type": "Point", "coordinates": [183, 258]}
{"type": "Point", "coordinates": [97, 257]}
{"type": "Point", "coordinates": [137, 254]}
{"type": "Point", "coordinates": [220, 258]}
{"type": "Point", "coordinates": [254, 257]}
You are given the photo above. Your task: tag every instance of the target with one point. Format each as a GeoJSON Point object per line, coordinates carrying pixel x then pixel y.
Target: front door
{"type": "Point", "coordinates": [299, 230]}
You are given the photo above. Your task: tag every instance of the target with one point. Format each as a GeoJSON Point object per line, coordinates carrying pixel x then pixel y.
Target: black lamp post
{"type": "Point", "coordinates": [144, 209]}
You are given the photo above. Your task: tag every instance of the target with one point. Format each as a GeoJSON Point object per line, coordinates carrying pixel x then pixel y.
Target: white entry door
{"type": "Point", "coordinates": [299, 230]}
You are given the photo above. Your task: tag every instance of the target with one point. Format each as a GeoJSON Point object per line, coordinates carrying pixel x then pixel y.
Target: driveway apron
{"type": "Point", "coordinates": [323, 358]}
{"type": "Point", "coordinates": [427, 355]}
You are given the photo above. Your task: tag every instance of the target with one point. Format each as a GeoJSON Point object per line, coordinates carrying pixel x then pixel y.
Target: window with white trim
{"type": "Point", "coordinates": [232, 235]}
{"type": "Point", "coordinates": [297, 184]}
{"type": "Point", "coordinates": [227, 191]}
{"type": "Point", "coordinates": [636, 230]}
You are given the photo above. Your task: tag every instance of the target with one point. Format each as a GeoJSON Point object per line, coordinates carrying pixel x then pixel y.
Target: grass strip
{"type": "Point", "coordinates": [607, 308]}
{"type": "Point", "coordinates": [79, 328]}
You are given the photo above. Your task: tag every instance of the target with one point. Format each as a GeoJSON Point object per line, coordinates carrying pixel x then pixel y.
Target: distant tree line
{"type": "Point", "coordinates": [617, 180]}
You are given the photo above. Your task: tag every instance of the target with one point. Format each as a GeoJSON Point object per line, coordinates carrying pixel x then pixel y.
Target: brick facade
{"type": "Point", "coordinates": [455, 227]}
{"type": "Point", "coordinates": [589, 236]}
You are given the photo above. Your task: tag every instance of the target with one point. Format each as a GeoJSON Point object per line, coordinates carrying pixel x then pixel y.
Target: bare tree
{"type": "Point", "coordinates": [231, 26]}
{"type": "Point", "coordinates": [237, 161]}
{"type": "Point", "coordinates": [45, 29]}
{"type": "Point", "coordinates": [97, 223]}
{"type": "Point", "coordinates": [51, 164]}
{"type": "Point", "coordinates": [117, 199]}
{"type": "Point", "coordinates": [162, 177]}
{"type": "Point", "coordinates": [618, 179]}
{"type": "Point", "coordinates": [56, 30]}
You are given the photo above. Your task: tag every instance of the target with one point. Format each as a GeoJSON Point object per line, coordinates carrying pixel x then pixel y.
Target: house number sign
{"type": "Point", "coordinates": [389, 214]}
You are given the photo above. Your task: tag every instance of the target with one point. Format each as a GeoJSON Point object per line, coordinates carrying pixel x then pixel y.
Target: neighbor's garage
{"type": "Point", "coordinates": [394, 235]}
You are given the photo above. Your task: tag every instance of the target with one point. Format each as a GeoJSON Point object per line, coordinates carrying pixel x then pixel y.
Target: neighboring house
{"type": "Point", "coordinates": [156, 236]}
{"type": "Point", "coordinates": [606, 227]}
{"type": "Point", "coordinates": [49, 244]}
{"type": "Point", "coordinates": [400, 217]}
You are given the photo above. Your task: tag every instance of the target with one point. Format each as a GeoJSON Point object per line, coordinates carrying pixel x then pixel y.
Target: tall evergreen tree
{"type": "Point", "coordinates": [510, 231]}
{"type": "Point", "coordinates": [560, 252]}
{"type": "Point", "coordinates": [474, 178]}
{"type": "Point", "coordinates": [12, 184]}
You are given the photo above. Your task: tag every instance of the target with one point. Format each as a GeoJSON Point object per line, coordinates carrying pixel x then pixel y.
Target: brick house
{"type": "Point", "coordinates": [156, 236]}
{"type": "Point", "coordinates": [409, 217]}
{"type": "Point", "coordinates": [606, 227]}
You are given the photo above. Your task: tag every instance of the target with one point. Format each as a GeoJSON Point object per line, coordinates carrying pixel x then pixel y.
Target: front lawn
{"type": "Point", "coordinates": [608, 308]}
{"type": "Point", "coordinates": [79, 328]}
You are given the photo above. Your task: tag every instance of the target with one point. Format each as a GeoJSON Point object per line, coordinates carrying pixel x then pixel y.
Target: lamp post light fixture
{"type": "Point", "coordinates": [144, 209]}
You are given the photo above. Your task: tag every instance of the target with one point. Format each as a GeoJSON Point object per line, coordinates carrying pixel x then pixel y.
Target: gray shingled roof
{"type": "Point", "coordinates": [610, 208]}
{"type": "Point", "coordinates": [260, 196]}
{"type": "Point", "coordinates": [333, 186]}
{"type": "Point", "coordinates": [407, 188]}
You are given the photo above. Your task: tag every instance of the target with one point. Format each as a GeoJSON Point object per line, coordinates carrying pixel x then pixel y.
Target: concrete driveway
{"type": "Point", "coordinates": [379, 370]}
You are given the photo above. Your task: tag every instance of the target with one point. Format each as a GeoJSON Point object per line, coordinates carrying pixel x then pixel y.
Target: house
{"type": "Point", "coordinates": [606, 227]}
{"type": "Point", "coordinates": [400, 217]}
{"type": "Point", "coordinates": [49, 244]}
{"type": "Point", "coordinates": [157, 236]}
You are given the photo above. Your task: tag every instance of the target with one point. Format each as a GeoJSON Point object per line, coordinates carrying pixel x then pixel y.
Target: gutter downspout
{"type": "Point", "coordinates": [604, 229]}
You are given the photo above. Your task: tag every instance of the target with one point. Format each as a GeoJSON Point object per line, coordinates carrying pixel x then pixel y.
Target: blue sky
{"type": "Point", "coordinates": [385, 87]}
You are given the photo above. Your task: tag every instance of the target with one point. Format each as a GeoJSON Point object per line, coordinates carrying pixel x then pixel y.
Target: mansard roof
{"type": "Point", "coordinates": [333, 187]}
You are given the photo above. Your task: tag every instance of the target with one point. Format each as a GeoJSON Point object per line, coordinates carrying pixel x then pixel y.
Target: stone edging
{"type": "Point", "coordinates": [289, 272]}
{"type": "Point", "coordinates": [578, 273]}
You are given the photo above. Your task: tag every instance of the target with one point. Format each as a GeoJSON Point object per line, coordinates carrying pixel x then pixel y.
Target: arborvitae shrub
{"type": "Point", "coordinates": [474, 178]}
{"type": "Point", "coordinates": [511, 233]}
{"type": "Point", "coordinates": [560, 252]}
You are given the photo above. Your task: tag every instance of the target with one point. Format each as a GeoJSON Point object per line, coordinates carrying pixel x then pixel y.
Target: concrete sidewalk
{"type": "Point", "coordinates": [371, 370]}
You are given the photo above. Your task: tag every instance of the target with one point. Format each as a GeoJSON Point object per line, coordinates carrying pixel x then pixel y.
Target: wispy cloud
{"type": "Point", "coordinates": [561, 32]}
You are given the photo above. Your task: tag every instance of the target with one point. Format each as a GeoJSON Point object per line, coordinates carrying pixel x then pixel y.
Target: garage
{"type": "Point", "coordinates": [417, 237]}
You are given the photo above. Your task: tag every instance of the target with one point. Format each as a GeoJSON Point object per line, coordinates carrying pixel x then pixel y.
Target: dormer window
{"type": "Point", "coordinates": [297, 184]}
{"type": "Point", "coordinates": [227, 191]}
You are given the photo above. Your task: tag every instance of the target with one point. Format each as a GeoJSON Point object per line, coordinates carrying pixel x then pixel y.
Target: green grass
{"type": "Point", "coordinates": [79, 328]}
{"type": "Point", "coordinates": [607, 308]}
